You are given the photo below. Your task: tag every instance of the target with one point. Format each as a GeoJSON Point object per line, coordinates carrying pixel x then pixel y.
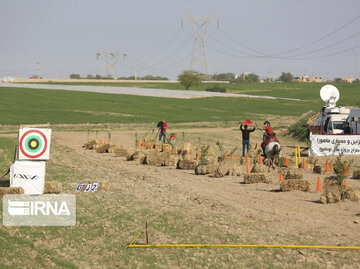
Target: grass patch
{"type": "Point", "coordinates": [58, 107]}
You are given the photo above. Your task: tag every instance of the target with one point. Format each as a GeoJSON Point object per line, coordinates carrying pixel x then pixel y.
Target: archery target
{"type": "Point", "coordinates": [34, 144]}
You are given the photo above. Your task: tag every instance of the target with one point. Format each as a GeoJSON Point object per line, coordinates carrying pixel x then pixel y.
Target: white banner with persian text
{"type": "Point", "coordinates": [324, 145]}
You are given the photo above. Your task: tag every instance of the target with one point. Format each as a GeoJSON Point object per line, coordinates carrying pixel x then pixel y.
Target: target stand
{"type": "Point", "coordinates": [34, 144]}
{"type": "Point", "coordinates": [31, 153]}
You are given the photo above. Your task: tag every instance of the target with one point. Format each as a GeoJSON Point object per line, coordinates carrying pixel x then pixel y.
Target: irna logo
{"type": "Point", "coordinates": [35, 208]}
{"type": "Point", "coordinates": [39, 210]}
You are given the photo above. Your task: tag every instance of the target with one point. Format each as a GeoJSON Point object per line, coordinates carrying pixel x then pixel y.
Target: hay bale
{"type": "Point", "coordinates": [121, 152]}
{"type": "Point", "coordinates": [317, 169]}
{"type": "Point", "coordinates": [332, 191]}
{"type": "Point", "coordinates": [10, 190]}
{"type": "Point", "coordinates": [187, 164]}
{"type": "Point", "coordinates": [103, 148]}
{"type": "Point", "coordinates": [90, 144]}
{"type": "Point", "coordinates": [208, 159]}
{"type": "Point", "coordinates": [52, 187]}
{"type": "Point", "coordinates": [313, 160]}
{"type": "Point", "coordinates": [205, 169]}
{"type": "Point", "coordinates": [224, 168]}
{"type": "Point", "coordinates": [356, 174]}
{"type": "Point", "coordinates": [5, 183]}
{"type": "Point", "coordinates": [235, 171]}
{"type": "Point", "coordinates": [256, 178]}
{"type": "Point", "coordinates": [137, 155]}
{"type": "Point", "coordinates": [155, 158]}
{"type": "Point", "coordinates": [259, 168]}
{"type": "Point", "coordinates": [293, 173]}
{"type": "Point", "coordinates": [170, 160]}
{"type": "Point", "coordinates": [352, 194]}
{"type": "Point", "coordinates": [295, 184]}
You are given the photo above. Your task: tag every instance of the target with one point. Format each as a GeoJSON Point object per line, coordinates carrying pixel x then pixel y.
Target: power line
{"type": "Point", "coordinates": [164, 47]}
{"type": "Point", "coordinates": [326, 47]}
{"type": "Point", "coordinates": [171, 55]}
{"type": "Point", "coordinates": [266, 55]}
{"type": "Point", "coordinates": [286, 58]}
{"type": "Point", "coordinates": [319, 39]}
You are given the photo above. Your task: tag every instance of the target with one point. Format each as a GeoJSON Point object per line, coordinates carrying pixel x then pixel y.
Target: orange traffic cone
{"type": "Point", "coordinates": [286, 162]}
{"type": "Point", "coordinates": [345, 184]}
{"type": "Point", "coordinates": [181, 151]}
{"type": "Point", "coordinates": [327, 169]}
{"type": "Point", "coordinates": [318, 186]}
{"type": "Point", "coordinates": [280, 176]}
{"type": "Point", "coordinates": [247, 159]}
{"type": "Point", "coordinates": [232, 156]}
{"type": "Point", "coordinates": [346, 173]}
{"type": "Point", "coordinates": [172, 150]}
{"type": "Point", "coordinates": [304, 164]}
{"type": "Point", "coordinates": [247, 169]}
{"type": "Point", "coordinates": [260, 160]}
{"type": "Point", "coordinates": [164, 147]}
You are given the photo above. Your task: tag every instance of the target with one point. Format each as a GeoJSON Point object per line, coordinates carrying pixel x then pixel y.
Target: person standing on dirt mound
{"type": "Point", "coordinates": [245, 137]}
{"type": "Point", "coordinates": [162, 125]}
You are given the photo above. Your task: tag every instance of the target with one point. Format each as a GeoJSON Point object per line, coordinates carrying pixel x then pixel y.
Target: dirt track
{"type": "Point", "coordinates": [258, 213]}
{"type": "Point", "coordinates": [182, 207]}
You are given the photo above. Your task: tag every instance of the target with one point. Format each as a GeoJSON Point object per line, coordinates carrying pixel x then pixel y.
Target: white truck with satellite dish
{"type": "Point", "coordinates": [332, 134]}
{"type": "Point", "coordinates": [332, 118]}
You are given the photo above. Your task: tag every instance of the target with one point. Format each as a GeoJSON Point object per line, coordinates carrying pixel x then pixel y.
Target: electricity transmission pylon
{"type": "Point", "coordinates": [200, 27]}
{"type": "Point", "coordinates": [111, 59]}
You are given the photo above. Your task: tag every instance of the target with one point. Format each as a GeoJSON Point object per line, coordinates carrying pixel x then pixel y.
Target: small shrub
{"type": "Point", "coordinates": [300, 130]}
{"type": "Point", "coordinates": [339, 169]}
{"type": "Point", "coordinates": [215, 88]}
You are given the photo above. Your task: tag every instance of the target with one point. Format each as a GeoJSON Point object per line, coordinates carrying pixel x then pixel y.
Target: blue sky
{"type": "Point", "coordinates": [64, 36]}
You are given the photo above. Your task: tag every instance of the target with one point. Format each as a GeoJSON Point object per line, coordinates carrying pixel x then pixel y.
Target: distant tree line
{"type": "Point", "coordinates": [148, 77]}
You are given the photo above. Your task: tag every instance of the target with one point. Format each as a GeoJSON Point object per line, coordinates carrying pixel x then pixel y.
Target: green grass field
{"type": "Point", "coordinates": [25, 106]}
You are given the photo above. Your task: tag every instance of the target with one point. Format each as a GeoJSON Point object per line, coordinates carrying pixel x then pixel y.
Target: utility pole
{"type": "Point", "coordinates": [200, 27]}
{"type": "Point", "coordinates": [135, 73]}
{"type": "Point", "coordinates": [38, 64]}
{"type": "Point", "coordinates": [111, 59]}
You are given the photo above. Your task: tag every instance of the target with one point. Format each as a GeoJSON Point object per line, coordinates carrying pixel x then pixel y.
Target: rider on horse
{"type": "Point", "coordinates": [268, 136]}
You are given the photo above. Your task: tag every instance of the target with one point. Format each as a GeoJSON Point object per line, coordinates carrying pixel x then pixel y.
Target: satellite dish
{"type": "Point", "coordinates": [330, 95]}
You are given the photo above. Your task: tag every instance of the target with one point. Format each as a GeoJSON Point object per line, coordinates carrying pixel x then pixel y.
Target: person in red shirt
{"type": "Point", "coordinates": [269, 132]}
{"type": "Point", "coordinates": [163, 126]}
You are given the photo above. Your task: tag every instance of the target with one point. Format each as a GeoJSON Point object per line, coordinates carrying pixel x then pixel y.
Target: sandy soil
{"type": "Point", "coordinates": [280, 214]}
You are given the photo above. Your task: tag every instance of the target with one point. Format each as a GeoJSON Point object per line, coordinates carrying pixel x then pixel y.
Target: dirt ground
{"type": "Point", "coordinates": [226, 210]}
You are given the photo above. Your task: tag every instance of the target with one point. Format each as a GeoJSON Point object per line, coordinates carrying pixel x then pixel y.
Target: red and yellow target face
{"type": "Point", "coordinates": [33, 144]}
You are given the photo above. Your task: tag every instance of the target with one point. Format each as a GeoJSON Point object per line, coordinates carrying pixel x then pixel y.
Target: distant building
{"type": "Point", "coordinates": [308, 79]}
{"type": "Point", "coordinates": [350, 80]}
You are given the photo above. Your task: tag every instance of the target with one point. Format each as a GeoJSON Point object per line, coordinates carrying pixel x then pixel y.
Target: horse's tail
{"type": "Point", "coordinates": [276, 149]}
